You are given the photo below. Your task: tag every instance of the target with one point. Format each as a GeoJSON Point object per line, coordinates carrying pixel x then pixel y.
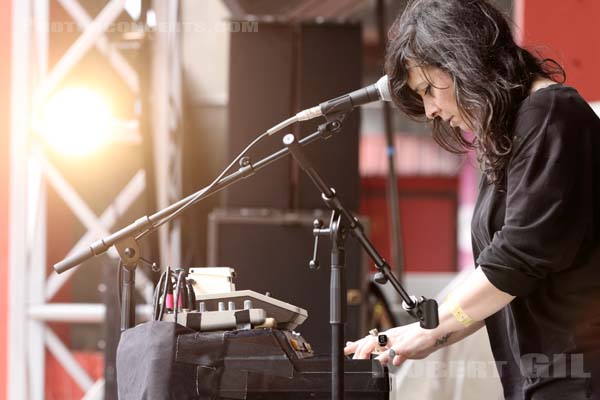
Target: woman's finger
{"type": "Point", "coordinates": [383, 358]}
{"type": "Point", "coordinates": [358, 349]}
{"type": "Point", "coordinates": [398, 359]}
{"type": "Point", "coordinates": [391, 356]}
{"type": "Point", "coordinates": [366, 348]}
{"type": "Point", "coordinates": [350, 347]}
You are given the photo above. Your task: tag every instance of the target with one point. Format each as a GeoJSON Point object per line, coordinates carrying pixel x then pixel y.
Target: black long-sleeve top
{"type": "Point", "coordinates": [539, 239]}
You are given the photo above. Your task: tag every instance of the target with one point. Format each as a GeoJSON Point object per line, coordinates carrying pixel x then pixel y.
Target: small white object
{"type": "Point", "coordinates": [383, 87]}
{"type": "Point", "coordinates": [309, 113]}
{"type": "Point", "coordinates": [212, 280]}
{"type": "Point", "coordinates": [283, 124]}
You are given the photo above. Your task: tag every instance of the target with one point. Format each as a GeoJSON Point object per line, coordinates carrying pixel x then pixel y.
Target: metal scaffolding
{"type": "Point", "coordinates": [31, 289]}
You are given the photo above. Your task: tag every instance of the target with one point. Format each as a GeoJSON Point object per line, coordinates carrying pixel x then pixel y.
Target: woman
{"type": "Point", "coordinates": [536, 224]}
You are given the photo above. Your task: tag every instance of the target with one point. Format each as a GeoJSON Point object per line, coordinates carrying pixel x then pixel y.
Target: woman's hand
{"type": "Point", "coordinates": [407, 342]}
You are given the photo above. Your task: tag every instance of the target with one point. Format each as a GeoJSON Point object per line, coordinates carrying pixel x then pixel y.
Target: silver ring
{"type": "Point", "coordinates": [391, 353]}
{"type": "Point", "coordinates": [374, 332]}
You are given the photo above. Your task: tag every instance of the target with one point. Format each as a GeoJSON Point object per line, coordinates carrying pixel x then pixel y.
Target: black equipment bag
{"type": "Point", "coordinates": [161, 360]}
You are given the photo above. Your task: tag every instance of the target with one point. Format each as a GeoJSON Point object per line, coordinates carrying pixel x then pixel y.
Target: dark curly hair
{"type": "Point", "coordinates": [472, 41]}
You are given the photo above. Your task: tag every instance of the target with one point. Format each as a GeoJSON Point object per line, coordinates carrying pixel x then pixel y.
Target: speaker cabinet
{"type": "Point", "coordinates": [275, 72]}
{"type": "Point", "coordinates": [270, 251]}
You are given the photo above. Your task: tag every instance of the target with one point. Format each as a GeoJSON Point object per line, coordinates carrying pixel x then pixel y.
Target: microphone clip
{"type": "Point", "coordinates": [333, 124]}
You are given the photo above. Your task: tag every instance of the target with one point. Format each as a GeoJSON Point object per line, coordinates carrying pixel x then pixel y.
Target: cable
{"type": "Point", "coordinates": [157, 293]}
{"type": "Point", "coordinates": [191, 295]}
{"type": "Point", "coordinates": [164, 293]}
{"type": "Point", "coordinates": [120, 284]}
{"type": "Point", "coordinates": [184, 292]}
{"type": "Point", "coordinates": [177, 292]}
{"type": "Point", "coordinates": [284, 124]}
{"type": "Point", "coordinates": [168, 218]}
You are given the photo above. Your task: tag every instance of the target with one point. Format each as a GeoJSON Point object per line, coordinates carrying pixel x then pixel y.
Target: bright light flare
{"type": "Point", "coordinates": [75, 122]}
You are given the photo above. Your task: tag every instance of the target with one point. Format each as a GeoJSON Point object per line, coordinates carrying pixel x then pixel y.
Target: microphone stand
{"type": "Point", "coordinates": [422, 309]}
{"type": "Point", "coordinates": [126, 239]}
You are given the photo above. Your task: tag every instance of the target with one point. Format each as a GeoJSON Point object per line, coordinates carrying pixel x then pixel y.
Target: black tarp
{"type": "Point", "coordinates": [161, 360]}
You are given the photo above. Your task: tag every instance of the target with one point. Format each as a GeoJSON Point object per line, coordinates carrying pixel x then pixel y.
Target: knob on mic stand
{"type": "Point", "coordinates": [317, 231]}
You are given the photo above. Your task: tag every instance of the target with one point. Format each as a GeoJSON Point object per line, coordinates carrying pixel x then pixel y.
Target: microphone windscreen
{"type": "Point", "coordinates": [383, 86]}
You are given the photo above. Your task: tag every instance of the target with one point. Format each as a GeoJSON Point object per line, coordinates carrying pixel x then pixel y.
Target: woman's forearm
{"type": "Point", "coordinates": [478, 298]}
{"type": "Point", "coordinates": [457, 336]}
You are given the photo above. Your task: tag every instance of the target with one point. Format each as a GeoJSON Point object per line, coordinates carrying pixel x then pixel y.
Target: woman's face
{"type": "Point", "coordinates": [436, 88]}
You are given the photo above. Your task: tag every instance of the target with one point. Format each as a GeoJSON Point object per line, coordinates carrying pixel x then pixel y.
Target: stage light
{"type": "Point", "coordinates": [75, 122]}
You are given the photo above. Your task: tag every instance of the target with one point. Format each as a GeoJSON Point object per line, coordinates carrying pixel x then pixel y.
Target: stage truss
{"type": "Point", "coordinates": [31, 288]}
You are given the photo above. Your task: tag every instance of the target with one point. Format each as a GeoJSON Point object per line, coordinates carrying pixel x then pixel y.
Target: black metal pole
{"type": "Point", "coordinates": [393, 199]}
{"type": "Point", "coordinates": [127, 297]}
{"type": "Point", "coordinates": [337, 307]}
{"type": "Point", "coordinates": [337, 286]}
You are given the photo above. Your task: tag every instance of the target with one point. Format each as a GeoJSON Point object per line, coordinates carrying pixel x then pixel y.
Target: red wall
{"type": "Point", "coordinates": [60, 385]}
{"type": "Point", "coordinates": [5, 49]}
{"type": "Point", "coordinates": [569, 32]}
{"type": "Point", "coordinates": [428, 214]}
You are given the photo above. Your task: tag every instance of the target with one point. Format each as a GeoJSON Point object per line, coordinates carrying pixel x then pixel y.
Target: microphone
{"type": "Point", "coordinates": [379, 90]}
{"type": "Point", "coordinates": [375, 92]}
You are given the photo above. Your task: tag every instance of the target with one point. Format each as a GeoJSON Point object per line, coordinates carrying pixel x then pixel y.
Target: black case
{"type": "Point", "coordinates": [162, 360]}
